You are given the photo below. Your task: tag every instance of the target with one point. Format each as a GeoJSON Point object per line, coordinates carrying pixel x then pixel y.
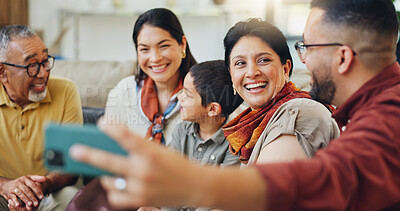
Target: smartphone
{"type": "Point", "coordinates": [59, 138]}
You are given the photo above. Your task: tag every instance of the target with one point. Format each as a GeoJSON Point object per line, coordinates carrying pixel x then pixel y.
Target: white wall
{"type": "Point", "coordinates": [104, 37]}
{"type": "Point", "coordinates": [110, 37]}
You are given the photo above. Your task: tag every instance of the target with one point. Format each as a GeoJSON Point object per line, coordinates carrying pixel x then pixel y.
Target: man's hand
{"type": "Point", "coordinates": [157, 176]}
{"type": "Point", "coordinates": [29, 189]}
{"type": "Point", "coordinates": [19, 208]}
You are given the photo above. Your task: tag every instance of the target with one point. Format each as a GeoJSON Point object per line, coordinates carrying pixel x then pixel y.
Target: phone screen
{"type": "Point", "coordinates": [59, 138]}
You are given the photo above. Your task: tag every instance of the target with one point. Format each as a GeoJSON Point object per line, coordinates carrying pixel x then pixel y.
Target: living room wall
{"type": "Point", "coordinates": [95, 31]}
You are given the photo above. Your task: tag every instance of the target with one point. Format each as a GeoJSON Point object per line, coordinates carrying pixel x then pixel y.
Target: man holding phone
{"type": "Point", "coordinates": [29, 99]}
{"type": "Point", "coordinates": [349, 47]}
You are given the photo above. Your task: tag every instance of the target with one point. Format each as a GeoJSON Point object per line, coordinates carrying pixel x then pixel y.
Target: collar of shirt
{"type": "Point", "coordinates": [218, 137]}
{"type": "Point", "coordinates": [382, 81]}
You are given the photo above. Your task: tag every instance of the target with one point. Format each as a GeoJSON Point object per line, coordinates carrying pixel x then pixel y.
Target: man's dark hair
{"type": "Point", "coordinates": [166, 20]}
{"type": "Point", "coordinates": [264, 30]}
{"type": "Point", "coordinates": [376, 16]}
{"type": "Point", "coordinates": [213, 82]}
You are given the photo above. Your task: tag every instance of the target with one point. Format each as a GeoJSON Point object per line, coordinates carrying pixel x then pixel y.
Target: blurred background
{"type": "Point", "coordinates": [102, 29]}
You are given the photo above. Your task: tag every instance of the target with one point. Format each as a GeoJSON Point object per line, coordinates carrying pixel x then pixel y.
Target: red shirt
{"type": "Point", "coordinates": [358, 171]}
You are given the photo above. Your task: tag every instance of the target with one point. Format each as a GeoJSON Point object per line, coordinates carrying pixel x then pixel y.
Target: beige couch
{"type": "Point", "coordinates": [95, 79]}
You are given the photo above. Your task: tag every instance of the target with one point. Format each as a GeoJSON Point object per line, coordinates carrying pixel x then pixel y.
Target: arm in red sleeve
{"type": "Point", "coordinates": [358, 171]}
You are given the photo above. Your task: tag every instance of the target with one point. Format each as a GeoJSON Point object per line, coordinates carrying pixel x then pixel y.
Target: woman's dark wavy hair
{"type": "Point", "coordinates": [167, 20]}
{"type": "Point", "coordinates": [270, 34]}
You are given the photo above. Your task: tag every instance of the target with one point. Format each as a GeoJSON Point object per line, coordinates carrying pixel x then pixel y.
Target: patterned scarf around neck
{"type": "Point", "coordinates": [149, 104]}
{"type": "Point", "coordinates": [245, 129]}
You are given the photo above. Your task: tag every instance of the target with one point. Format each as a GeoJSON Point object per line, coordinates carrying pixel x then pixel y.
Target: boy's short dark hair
{"type": "Point", "coordinates": [213, 82]}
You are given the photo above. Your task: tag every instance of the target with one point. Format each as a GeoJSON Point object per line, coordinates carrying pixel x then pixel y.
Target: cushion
{"type": "Point", "coordinates": [94, 79]}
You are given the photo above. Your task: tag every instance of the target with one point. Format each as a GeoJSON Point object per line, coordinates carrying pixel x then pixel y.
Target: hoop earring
{"type": "Point", "coordinates": [234, 90]}
{"type": "Point", "coordinates": [183, 54]}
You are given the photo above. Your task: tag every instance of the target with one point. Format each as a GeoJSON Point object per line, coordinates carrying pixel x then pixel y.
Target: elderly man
{"type": "Point", "coordinates": [349, 47]}
{"type": "Point", "coordinates": [29, 99]}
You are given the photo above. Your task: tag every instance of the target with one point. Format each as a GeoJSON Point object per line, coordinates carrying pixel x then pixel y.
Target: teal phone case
{"type": "Point", "coordinates": [59, 138]}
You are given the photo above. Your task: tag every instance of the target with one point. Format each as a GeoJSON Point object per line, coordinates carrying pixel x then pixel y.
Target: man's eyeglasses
{"type": "Point", "coordinates": [301, 48]}
{"type": "Point", "coordinates": [34, 68]}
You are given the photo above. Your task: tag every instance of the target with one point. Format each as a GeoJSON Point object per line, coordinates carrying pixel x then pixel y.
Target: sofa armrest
{"type": "Point", "coordinates": [91, 114]}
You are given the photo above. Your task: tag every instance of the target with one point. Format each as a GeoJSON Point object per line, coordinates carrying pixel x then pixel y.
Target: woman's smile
{"type": "Point", "coordinates": [159, 68]}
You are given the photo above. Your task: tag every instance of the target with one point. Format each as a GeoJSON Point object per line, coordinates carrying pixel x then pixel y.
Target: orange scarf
{"type": "Point", "coordinates": [149, 104]}
{"type": "Point", "coordinates": [245, 129]}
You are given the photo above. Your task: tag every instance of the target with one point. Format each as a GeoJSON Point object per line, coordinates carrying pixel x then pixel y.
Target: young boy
{"type": "Point", "coordinates": [207, 100]}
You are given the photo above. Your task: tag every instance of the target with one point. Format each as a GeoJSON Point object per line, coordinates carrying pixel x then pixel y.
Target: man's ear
{"type": "Point", "coordinates": [3, 74]}
{"type": "Point", "coordinates": [346, 58]}
{"type": "Point", "coordinates": [214, 109]}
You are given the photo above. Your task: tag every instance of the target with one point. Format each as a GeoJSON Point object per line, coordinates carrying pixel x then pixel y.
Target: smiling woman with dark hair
{"type": "Point", "coordinates": [282, 123]}
{"type": "Point", "coordinates": [148, 102]}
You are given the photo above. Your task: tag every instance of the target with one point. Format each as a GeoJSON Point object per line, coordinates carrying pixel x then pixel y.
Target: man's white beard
{"type": "Point", "coordinates": [36, 96]}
